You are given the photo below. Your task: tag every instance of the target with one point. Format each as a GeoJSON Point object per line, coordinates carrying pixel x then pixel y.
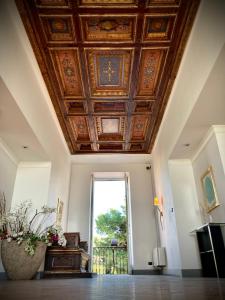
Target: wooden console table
{"type": "Point", "coordinates": [66, 262]}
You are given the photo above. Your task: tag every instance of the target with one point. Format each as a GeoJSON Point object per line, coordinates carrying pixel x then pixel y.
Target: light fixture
{"type": "Point", "coordinates": [157, 204]}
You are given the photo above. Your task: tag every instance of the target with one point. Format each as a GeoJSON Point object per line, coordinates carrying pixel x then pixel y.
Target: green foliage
{"type": "Point", "coordinates": [111, 225]}
{"type": "Point", "coordinates": [110, 260]}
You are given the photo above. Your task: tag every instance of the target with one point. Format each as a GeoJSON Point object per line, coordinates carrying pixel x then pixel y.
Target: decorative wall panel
{"type": "Point", "coordinates": [108, 28]}
{"type": "Point", "coordinates": [109, 66]}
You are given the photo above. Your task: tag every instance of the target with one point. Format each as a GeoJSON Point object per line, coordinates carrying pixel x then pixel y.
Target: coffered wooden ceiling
{"type": "Point", "coordinates": [109, 66]}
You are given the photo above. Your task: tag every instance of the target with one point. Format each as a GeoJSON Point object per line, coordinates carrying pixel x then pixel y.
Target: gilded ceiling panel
{"type": "Point", "coordinates": [159, 27]}
{"type": "Point", "coordinates": [100, 28]}
{"type": "Point", "coordinates": [80, 128]}
{"type": "Point", "coordinates": [139, 127]}
{"type": "Point", "coordinates": [75, 107]}
{"type": "Point", "coordinates": [109, 72]}
{"type": "Point", "coordinates": [67, 69]}
{"type": "Point", "coordinates": [150, 66]}
{"type": "Point", "coordinates": [58, 28]}
{"type": "Point", "coordinates": [105, 3]}
{"type": "Point", "coordinates": [164, 2]}
{"type": "Point", "coordinates": [52, 3]}
{"type": "Point", "coordinates": [143, 106]}
{"type": "Point", "coordinates": [109, 66]}
{"type": "Point", "coordinates": [110, 128]}
{"type": "Point", "coordinates": [136, 147]}
{"type": "Point", "coordinates": [109, 107]}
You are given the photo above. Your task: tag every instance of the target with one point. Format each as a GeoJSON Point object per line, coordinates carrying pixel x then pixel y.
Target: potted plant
{"type": "Point", "coordinates": [3, 228]}
{"type": "Point", "coordinates": [24, 235]}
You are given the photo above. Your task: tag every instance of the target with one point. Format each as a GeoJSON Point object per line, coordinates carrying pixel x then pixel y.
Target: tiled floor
{"type": "Point", "coordinates": [123, 287]}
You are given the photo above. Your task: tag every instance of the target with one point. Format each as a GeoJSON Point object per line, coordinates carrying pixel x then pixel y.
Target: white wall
{"type": "Point", "coordinates": [204, 45]}
{"type": "Point", "coordinates": [8, 169]}
{"type": "Point", "coordinates": [220, 136]}
{"type": "Point", "coordinates": [186, 210]}
{"type": "Point", "coordinates": [169, 236]}
{"type": "Point", "coordinates": [21, 75]}
{"type": "Point", "coordinates": [210, 155]}
{"type": "Point", "coordinates": [32, 183]}
{"type": "Point", "coordinates": [143, 224]}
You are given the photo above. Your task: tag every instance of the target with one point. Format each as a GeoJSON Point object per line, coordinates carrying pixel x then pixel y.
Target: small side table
{"type": "Point", "coordinates": [66, 262]}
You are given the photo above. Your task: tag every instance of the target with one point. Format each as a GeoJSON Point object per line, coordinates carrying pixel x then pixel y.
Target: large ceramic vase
{"type": "Point", "coordinates": [17, 263]}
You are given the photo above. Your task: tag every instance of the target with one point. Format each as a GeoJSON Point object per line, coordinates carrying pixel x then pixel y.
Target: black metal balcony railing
{"type": "Point", "coordinates": [110, 260]}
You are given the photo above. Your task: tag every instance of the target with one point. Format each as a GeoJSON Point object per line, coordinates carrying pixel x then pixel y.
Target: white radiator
{"type": "Point", "coordinates": [159, 257]}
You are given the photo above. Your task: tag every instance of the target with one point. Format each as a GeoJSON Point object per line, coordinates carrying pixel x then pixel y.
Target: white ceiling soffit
{"type": "Point", "coordinates": [111, 158]}
{"type": "Point", "coordinates": [209, 110]}
{"type": "Point", "coordinates": [15, 132]}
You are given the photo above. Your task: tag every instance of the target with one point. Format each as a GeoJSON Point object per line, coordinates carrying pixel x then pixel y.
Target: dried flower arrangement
{"type": "Point", "coordinates": [19, 226]}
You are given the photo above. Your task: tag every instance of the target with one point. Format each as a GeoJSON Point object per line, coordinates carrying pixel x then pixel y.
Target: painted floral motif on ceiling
{"type": "Point", "coordinates": [109, 66]}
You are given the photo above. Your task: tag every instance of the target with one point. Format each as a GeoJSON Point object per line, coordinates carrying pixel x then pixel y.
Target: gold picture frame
{"type": "Point", "coordinates": [209, 189]}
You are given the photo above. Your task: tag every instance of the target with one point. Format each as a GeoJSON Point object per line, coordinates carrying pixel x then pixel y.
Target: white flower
{"type": "Point", "coordinates": [9, 239]}
{"type": "Point", "coordinates": [14, 235]}
{"type": "Point", "coordinates": [20, 233]}
{"type": "Point", "coordinates": [47, 210]}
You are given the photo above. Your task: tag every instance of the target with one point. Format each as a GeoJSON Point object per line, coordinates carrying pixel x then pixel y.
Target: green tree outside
{"type": "Point", "coordinates": [111, 225]}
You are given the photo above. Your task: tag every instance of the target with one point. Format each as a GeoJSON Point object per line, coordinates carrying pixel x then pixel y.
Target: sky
{"type": "Point", "coordinates": [107, 194]}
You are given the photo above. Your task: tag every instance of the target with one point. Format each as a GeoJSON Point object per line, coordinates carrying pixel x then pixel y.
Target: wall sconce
{"type": "Point", "coordinates": [158, 205]}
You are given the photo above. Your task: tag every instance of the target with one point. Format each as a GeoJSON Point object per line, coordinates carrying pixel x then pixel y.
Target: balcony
{"type": "Point", "coordinates": [110, 260]}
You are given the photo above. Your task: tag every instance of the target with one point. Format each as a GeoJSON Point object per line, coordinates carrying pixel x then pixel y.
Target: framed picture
{"type": "Point", "coordinates": [209, 189]}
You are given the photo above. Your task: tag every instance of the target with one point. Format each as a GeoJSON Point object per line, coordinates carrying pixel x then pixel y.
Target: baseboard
{"type": "Point", "coordinates": [3, 276]}
{"type": "Point", "coordinates": [172, 272]}
{"type": "Point", "coordinates": [146, 272]}
{"type": "Point", "coordinates": [191, 273]}
{"type": "Point", "coordinates": [183, 272]}
{"type": "Point", "coordinates": [39, 275]}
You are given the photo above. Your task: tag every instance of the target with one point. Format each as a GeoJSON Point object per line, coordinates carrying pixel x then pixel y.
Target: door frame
{"type": "Point", "coordinates": [126, 180]}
